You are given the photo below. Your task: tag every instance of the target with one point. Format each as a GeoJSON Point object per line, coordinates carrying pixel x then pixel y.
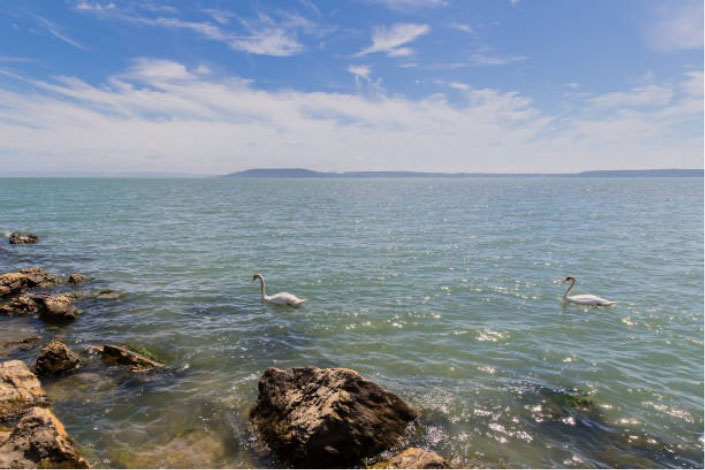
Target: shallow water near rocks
{"type": "Point", "coordinates": [441, 290]}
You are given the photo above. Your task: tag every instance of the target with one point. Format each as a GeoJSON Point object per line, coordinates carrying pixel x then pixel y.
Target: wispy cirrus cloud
{"type": "Point", "coordinates": [391, 39]}
{"type": "Point", "coordinates": [677, 25]}
{"type": "Point", "coordinates": [464, 27]}
{"type": "Point", "coordinates": [13, 59]}
{"type": "Point", "coordinates": [261, 35]}
{"type": "Point", "coordinates": [56, 31]}
{"type": "Point", "coordinates": [650, 95]}
{"type": "Point", "coordinates": [403, 5]}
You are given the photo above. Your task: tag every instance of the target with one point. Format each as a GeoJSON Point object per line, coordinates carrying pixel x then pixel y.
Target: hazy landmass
{"type": "Point", "coordinates": [304, 173]}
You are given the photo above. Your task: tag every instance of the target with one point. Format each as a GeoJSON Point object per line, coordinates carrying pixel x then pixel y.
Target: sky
{"type": "Point", "coordinates": [212, 87]}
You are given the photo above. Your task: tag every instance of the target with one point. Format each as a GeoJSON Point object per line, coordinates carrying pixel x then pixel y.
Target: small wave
{"type": "Point", "coordinates": [489, 335]}
{"type": "Point", "coordinates": [671, 411]}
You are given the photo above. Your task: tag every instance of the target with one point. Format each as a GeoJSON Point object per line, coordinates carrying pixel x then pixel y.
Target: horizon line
{"type": "Point", "coordinates": [305, 172]}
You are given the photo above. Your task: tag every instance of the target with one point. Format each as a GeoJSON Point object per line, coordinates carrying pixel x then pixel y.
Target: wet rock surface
{"type": "Point", "coordinates": [113, 354]}
{"type": "Point", "coordinates": [56, 358]}
{"type": "Point", "coordinates": [57, 309]}
{"type": "Point", "coordinates": [314, 417]}
{"type": "Point", "coordinates": [19, 390]}
{"type": "Point", "coordinates": [26, 278]}
{"type": "Point", "coordinates": [76, 278]}
{"type": "Point", "coordinates": [20, 305]}
{"type": "Point", "coordinates": [39, 440]}
{"type": "Point", "coordinates": [414, 458]}
{"type": "Point", "coordinates": [23, 238]}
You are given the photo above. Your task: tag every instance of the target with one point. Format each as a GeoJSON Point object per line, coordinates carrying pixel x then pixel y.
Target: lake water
{"type": "Point", "coordinates": [442, 290]}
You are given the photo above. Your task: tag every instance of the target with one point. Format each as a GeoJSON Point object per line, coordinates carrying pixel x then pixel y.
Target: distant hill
{"type": "Point", "coordinates": [304, 173]}
{"type": "Point", "coordinates": [279, 173]}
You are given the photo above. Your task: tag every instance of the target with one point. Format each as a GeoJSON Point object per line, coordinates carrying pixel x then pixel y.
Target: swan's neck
{"type": "Point", "coordinates": [565, 294]}
{"type": "Point", "coordinates": [261, 287]}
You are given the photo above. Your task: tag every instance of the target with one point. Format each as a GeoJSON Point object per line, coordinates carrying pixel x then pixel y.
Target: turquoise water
{"type": "Point", "coordinates": [442, 290]}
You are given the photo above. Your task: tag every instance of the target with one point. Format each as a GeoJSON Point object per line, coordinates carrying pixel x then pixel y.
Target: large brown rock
{"type": "Point", "coordinates": [39, 440]}
{"type": "Point", "coordinates": [19, 390]}
{"type": "Point", "coordinates": [19, 238]}
{"type": "Point", "coordinates": [57, 309]}
{"type": "Point", "coordinates": [414, 458]}
{"type": "Point", "coordinates": [113, 354]}
{"type": "Point", "coordinates": [314, 417]}
{"type": "Point", "coordinates": [26, 278]}
{"type": "Point", "coordinates": [56, 358]}
{"type": "Point", "coordinates": [20, 305]}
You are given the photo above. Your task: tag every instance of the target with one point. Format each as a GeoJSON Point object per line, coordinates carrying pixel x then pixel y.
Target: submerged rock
{"type": "Point", "coordinates": [19, 390]}
{"type": "Point", "coordinates": [108, 295]}
{"type": "Point", "coordinates": [314, 417]}
{"type": "Point", "coordinates": [39, 440]}
{"type": "Point", "coordinates": [20, 305]}
{"type": "Point", "coordinates": [25, 344]}
{"type": "Point", "coordinates": [194, 448]}
{"type": "Point", "coordinates": [76, 278]}
{"type": "Point", "coordinates": [56, 358]}
{"type": "Point", "coordinates": [57, 309]}
{"type": "Point", "coordinates": [20, 238]}
{"type": "Point", "coordinates": [26, 278]}
{"type": "Point", "coordinates": [413, 458]}
{"type": "Point", "coordinates": [123, 356]}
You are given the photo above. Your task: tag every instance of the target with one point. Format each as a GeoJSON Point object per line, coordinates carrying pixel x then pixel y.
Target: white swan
{"type": "Point", "coordinates": [584, 299]}
{"type": "Point", "coordinates": [282, 298]}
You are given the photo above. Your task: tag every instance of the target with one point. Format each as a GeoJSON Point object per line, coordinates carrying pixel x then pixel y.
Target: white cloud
{"type": "Point", "coordinates": [693, 85]}
{"type": "Point", "coordinates": [679, 25]}
{"type": "Point", "coordinates": [390, 39]}
{"type": "Point", "coordinates": [403, 5]}
{"type": "Point", "coordinates": [464, 27]}
{"type": "Point", "coordinates": [160, 115]}
{"type": "Point", "coordinates": [481, 58]}
{"type": "Point", "coordinates": [222, 17]}
{"type": "Point", "coordinates": [97, 7]}
{"type": "Point", "coordinates": [360, 72]}
{"type": "Point", "coordinates": [651, 95]}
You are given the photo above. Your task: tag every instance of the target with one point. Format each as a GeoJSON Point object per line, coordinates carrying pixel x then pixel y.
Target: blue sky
{"type": "Point", "coordinates": [430, 85]}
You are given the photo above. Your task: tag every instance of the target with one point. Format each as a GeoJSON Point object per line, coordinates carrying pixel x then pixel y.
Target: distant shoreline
{"type": "Point", "coordinates": [304, 173]}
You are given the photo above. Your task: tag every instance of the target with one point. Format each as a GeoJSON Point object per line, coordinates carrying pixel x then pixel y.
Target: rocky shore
{"type": "Point", "coordinates": [305, 416]}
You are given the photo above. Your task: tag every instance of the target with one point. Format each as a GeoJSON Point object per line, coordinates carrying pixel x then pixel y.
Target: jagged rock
{"type": "Point", "coordinates": [56, 358]}
{"type": "Point", "coordinates": [19, 238]}
{"type": "Point", "coordinates": [122, 356]}
{"type": "Point", "coordinates": [19, 390]}
{"type": "Point", "coordinates": [39, 440]}
{"type": "Point", "coordinates": [26, 278]}
{"type": "Point", "coordinates": [314, 417]}
{"type": "Point", "coordinates": [20, 305]}
{"type": "Point", "coordinates": [413, 458]}
{"type": "Point", "coordinates": [76, 278]}
{"type": "Point", "coordinates": [57, 309]}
